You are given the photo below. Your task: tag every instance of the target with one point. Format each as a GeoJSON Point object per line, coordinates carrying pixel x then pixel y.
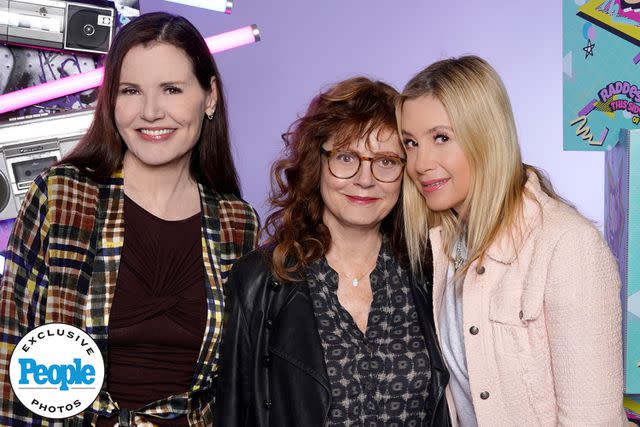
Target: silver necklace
{"type": "Point", "coordinates": [458, 260]}
{"type": "Point", "coordinates": [356, 280]}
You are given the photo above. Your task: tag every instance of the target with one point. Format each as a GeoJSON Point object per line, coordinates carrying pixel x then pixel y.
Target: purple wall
{"type": "Point", "coordinates": [309, 44]}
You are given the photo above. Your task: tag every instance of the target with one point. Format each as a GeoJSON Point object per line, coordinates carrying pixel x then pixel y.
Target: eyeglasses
{"type": "Point", "coordinates": [346, 164]}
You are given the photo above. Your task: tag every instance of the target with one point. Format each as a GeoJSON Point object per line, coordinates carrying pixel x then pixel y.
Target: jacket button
{"type": "Point", "coordinates": [484, 395]}
{"type": "Point", "coordinates": [474, 330]}
{"type": "Point", "coordinates": [521, 315]}
{"type": "Point", "coordinates": [481, 269]}
{"type": "Point", "coordinates": [275, 285]}
{"type": "Point", "coordinates": [268, 324]}
{"type": "Point", "coordinates": [267, 404]}
{"type": "Point", "coordinates": [267, 360]}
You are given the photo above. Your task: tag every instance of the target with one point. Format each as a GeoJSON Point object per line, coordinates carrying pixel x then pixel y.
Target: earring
{"type": "Point", "coordinates": [213, 110]}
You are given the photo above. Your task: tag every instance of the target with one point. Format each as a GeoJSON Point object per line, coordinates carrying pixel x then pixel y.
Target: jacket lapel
{"type": "Point", "coordinates": [109, 240]}
{"type": "Point", "coordinates": [297, 340]}
{"type": "Point", "coordinates": [211, 256]}
{"type": "Point", "coordinates": [439, 372]}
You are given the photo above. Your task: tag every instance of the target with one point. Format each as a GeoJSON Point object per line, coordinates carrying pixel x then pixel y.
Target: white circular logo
{"type": "Point", "coordinates": [56, 370]}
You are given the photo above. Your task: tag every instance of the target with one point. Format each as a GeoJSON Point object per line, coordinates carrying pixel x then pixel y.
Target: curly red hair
{"type": "Point", "coordinates": [349, 110]}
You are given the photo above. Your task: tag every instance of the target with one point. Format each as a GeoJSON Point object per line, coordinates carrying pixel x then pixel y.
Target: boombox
{"type": "Point", "coordinates": [27, 148]}
{"type": "Point", "coordinates": [59, 25]}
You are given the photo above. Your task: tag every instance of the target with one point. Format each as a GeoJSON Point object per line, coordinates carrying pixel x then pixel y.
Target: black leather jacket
{"type": "Point", "coordinates": [272, 370]}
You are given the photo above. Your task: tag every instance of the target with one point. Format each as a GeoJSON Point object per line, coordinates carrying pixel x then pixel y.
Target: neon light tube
{"type": "Point", "coordinates": [217, 5]}
{"type": "Point", "coordinates": [229, 40]}
{"type": "Point", "coordinates": [81, 82]}
{"type": "Point", "coordinates": [51, 90]}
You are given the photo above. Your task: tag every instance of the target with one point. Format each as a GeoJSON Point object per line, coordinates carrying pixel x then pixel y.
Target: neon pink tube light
{"type": "Point", "coordinates": [80, 82]}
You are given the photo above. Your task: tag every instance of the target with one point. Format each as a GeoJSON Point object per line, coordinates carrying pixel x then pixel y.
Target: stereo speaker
{"type": "Point", "coordinates": [88, 28]}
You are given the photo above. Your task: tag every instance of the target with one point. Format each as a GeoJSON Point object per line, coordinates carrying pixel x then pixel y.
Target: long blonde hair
{"type": "Point", "coordinates": [480, 113]}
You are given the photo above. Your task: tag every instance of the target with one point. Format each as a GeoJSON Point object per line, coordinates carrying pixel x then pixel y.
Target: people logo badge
{"type": "Point", "coordinates": [56, 370]}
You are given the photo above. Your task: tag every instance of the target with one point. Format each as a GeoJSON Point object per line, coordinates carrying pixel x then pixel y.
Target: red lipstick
{"type": "Point", "coordinates": [362, 200]}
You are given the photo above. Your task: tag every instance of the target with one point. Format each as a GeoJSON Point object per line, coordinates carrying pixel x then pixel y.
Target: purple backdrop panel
{"type": "Point", "coordinates": [5, 230]}
{"type": "Point", "coordinates": [307, 45]}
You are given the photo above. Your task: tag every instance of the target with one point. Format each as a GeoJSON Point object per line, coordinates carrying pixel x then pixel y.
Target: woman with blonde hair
{"type": "Point", "coordinates": [525, 292]}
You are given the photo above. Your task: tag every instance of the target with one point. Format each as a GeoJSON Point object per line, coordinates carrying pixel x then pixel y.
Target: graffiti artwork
{"type": "Point", "coordinates": [601, 95]}
{"type": "Point", "coordinates": [22, 67]}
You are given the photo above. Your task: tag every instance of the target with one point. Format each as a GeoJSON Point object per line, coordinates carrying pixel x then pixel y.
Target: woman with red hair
{"type": "Point", "coordinates": [325, 326]}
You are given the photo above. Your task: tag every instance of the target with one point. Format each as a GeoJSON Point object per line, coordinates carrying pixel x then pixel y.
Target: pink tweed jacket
{"type": "Point", "coordinates": [542, 322]}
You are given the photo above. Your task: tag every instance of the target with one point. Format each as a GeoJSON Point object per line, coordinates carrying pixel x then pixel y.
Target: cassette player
{"type": "Point", "coordinates": [25, 163]}
{"type": "Point", "coordinates": [58, 25]}
{"type": "Point", "coordinates": [30, 147]}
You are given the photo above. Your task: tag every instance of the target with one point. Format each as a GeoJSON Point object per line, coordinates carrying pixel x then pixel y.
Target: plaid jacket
{"type": "Point", "coordinates": [62, 264]}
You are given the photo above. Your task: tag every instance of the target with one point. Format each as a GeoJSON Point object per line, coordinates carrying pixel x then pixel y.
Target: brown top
{"type": "Point", "coordinates": [157, 321]}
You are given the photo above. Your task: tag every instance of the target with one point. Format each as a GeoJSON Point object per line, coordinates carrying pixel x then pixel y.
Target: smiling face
{"type": "Point", "coordinates": [160, 105]}
{"type": "Point", "coordinates": [435, 160]}
{"type": "Point", "coordinates": [360, 201]}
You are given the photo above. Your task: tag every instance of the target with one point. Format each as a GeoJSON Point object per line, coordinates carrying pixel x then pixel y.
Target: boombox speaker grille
{"type": "Point", "coordinates": [5, 191]}
{"type": "Point", "coordinates": [88, 28]}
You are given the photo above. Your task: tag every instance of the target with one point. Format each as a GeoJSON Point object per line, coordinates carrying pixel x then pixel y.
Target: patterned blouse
{"type": "Point", "coordinates": [379, 378]}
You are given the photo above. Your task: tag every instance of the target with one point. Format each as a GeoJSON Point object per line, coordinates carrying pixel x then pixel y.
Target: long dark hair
{"type": "Point", "coordinates": [347, 111]}
{"type": "Point", "coordinates": [101, 150]}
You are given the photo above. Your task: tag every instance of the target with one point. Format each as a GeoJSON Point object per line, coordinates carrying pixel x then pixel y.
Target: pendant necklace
{"type": "Point", "coordinates": [356, 280]}
{"type": "Point", "coordinates": [458, 260]}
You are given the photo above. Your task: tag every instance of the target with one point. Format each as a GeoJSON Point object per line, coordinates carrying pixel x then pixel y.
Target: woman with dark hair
{"type": "Point", "coordinates": [324, 324]}
{"type": "Point", "coordinates": [145, 219]}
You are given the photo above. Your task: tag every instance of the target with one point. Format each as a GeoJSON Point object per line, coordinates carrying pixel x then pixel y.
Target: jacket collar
{"type": "Point", "coordinates": [505, 246]}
